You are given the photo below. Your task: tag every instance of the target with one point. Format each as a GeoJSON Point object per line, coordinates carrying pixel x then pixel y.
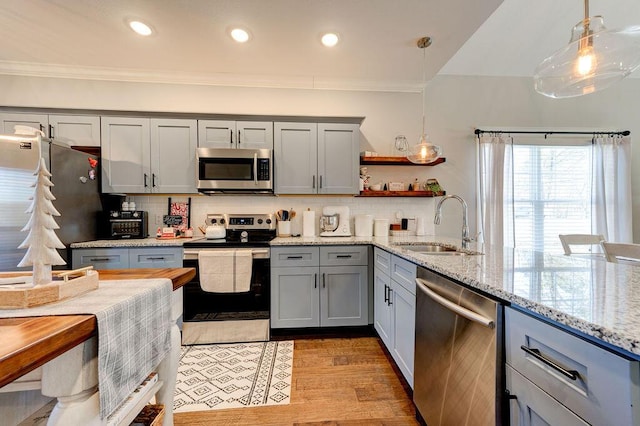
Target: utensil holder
{"type": "Point", "coordinates": [284, 228]}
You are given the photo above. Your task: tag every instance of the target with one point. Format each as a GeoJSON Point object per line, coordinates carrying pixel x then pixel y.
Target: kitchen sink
{"type": "Point", "coordinates": [437, 249]}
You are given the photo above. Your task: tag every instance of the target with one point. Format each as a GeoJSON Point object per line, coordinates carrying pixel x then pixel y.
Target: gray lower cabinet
{"type": "Point", "coordinates": [394, 308]}
{"type": "Point", "coordinates": [557, 378]}
{"type": "Point", "coordinates": [315, 286]}
{"type": "Point", "coordinates": [124, 258]}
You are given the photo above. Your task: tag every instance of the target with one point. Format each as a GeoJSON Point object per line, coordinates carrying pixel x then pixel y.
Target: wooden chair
{"type": "Point", "coordinates": [613, 251]}
{"type": "Point", "coordinates": [569, 240]}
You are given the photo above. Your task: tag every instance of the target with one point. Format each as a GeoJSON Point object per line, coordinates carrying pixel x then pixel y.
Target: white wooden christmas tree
{"type": "Point", "coordinates": [41, 242]}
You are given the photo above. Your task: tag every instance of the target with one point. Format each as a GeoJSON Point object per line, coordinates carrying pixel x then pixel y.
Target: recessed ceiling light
{"type": "Point", "coordinates": [240, 35]}
{"type": "Point", "coordinates": [330, 39]}
{"type": "Point", "coordinates": [140, 27]}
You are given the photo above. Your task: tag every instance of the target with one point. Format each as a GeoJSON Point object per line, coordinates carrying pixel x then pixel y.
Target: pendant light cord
{"type": "Point", "coordinates": [424, 77]}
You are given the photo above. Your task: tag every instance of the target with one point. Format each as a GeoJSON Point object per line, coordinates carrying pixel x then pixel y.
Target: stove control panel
{"type": "Point", "coordinates": [243, 221]}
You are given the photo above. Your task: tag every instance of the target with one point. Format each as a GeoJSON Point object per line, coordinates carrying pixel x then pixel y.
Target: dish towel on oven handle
{"type": "Point", "coordinates": [225, 271]}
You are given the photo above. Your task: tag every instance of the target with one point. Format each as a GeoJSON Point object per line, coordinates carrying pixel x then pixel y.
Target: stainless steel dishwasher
{"type": "Point", "coordinates": [458, 377]}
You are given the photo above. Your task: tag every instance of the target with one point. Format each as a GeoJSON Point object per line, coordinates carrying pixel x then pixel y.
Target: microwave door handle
{"type": "Point", "coordinates": [255, 169]}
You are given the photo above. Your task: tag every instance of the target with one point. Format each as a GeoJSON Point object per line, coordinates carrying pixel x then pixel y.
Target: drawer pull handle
{"type": "Point", "coordinates": [343, 256]}
{"type": "Point", "coordinates": [99, 259]}
{"type": "Point", "coordinates": [156, 258]}
{"type": "Point", "coordinates": [315, 280]}
{"type": "Point", "coordinates": [294, 257]}
{"type": "Point", "coordinates": [572, 374]}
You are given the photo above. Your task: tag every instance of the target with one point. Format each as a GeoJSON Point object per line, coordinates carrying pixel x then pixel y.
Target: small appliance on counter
{"type": "Point", "coordinates": [334, 222]}
{"type": "Point", "coordinates": [126, 224]}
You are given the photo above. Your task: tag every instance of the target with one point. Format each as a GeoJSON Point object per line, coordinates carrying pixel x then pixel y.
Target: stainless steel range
{"type": "Point", "coordinates": [228, 305]}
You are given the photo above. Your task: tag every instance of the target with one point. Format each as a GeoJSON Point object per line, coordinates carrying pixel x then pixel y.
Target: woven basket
{"type": "Point", "coordinates": [151, 415]}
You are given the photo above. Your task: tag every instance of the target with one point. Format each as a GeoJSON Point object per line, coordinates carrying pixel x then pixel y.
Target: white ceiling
{"type": "Point", "coordinates": [89, 39]}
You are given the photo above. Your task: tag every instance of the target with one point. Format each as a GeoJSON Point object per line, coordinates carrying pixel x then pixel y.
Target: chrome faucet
{"type": "Point", "coordinates": [465, 227]}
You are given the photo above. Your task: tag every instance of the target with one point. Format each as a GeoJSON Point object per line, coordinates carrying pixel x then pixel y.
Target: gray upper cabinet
{"type": "Point", "coordinates": [38, 121]}
{"type": "Point", "coordinates": [173, 156]}
{"type": "Point", "coordinates": [82, 130]}
{"type": "Point", "coordinates": [235, 134]}
{"type": "Point", "coordinates": [142, 155]}
{"type": "Point", "coordinates": [316, 158]}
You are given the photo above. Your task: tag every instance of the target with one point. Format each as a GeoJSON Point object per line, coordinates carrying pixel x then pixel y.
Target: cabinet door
{"type": "Point", "coordinates": [534, 407]}
{"type": "Point", "coordinates": [37, 121]}
{"type": "Point", "coordinates": [125, 155]}
{"type": "Point", "coordinates": [82, 130]}
{"type": "Point", "coordinates": [343, 296]}
{"type": "Point", "coordinates": [173, 156]}
{"type": "Point", "coordinates": [338, 158]}
{"type": "Point", "coordinates": [254, 134]}
{"type": "Point", "coordinates": [404, 326]}
{"type": "Point", "coordinates": [296, 158]}
{"type": "Point", "coordinates": [294, 297]}
{"type": "Point", "coordinates": [217, 134]}
{"type": "Point", "coordinates": [107, 258]}
{"type": "Point", "coordinates": [155, 257]}
{"type": "Point", "coordinates": [382, 309]}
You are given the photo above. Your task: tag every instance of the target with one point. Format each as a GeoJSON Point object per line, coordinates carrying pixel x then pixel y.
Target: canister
{"type": "Point", "coordinates": [381, 228]}
{"type": "Point", "coordinates": [364, 225]}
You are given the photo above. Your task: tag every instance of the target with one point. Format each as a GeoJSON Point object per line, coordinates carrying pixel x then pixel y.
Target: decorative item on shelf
{"type": "Point", "coordinates": [364, 178]}
{"type": "Point", "coordinates": [416, 185]}
{"type": "Point", "coordinates": [432, 185]}
{"type": "Point", "coordinates": [396, 186]}
{"type": "Point", "coordinates": [400, 145]}
{"type": "Point", "coordinates": [594, 59]}
{"type": "Point", "coordinates": [423, 152]}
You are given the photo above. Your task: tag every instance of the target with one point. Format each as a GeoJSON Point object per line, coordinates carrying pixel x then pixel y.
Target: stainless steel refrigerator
{"type": "Point", "coordinates": [76, 188]}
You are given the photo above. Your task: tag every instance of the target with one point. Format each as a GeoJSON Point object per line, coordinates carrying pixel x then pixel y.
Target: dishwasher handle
{"type": "Point", "coordinates": [460, 310]}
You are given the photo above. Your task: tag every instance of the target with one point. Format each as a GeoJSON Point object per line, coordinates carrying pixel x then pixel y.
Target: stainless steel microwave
{"type": "Point", "coordinates": [235, 170]}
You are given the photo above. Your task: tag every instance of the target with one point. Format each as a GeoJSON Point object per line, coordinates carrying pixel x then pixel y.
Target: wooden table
{"type": "Point", "coordinates": [28, 343]}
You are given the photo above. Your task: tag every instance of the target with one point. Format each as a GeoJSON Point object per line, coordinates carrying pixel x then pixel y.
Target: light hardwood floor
{"type": "Point", "coordinates": [336, 381]}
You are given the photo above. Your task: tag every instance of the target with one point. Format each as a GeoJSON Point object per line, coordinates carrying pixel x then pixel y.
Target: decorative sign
{"type": "Point", "coordinates": [172, 220]}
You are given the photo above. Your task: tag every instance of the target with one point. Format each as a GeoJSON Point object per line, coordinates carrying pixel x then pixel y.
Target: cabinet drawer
{"type": "Point", "coordinates": [109, 258]}
{"type": "Point", "coordinates": [534, 407]}
{"type": "Point", "coordinates": [404, 273]}
{"type": "Point", "coordinates": [605, 386]}
{"type": "Point", "coordinates": [382, 260]}
{"type": "Point", "coordinates": [157, 257]}
{"type": "Point", "coordinates": [295, 256]}
{"type": "Point", "coordinates": [344, 255]}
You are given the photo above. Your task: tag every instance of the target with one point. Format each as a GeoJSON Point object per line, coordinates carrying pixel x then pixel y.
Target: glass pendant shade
{"type": "Point", "coordinates": [424, 152]}
{"type": "Point", "coordinates": [594, 59]}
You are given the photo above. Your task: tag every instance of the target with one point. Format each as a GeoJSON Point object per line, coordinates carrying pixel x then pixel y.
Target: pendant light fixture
{"type": "Point", "coordinates": [424, 152]}
{"type": "Point", "coordinates": [594, 59]}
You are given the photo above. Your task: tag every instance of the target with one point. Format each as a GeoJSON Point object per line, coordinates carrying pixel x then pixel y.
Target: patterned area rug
{"type": "Point", "coordinates": [213, 377]}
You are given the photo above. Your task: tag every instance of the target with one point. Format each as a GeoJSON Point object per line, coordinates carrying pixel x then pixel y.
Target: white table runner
{"type": "Point", "coordinates": [134, 319]}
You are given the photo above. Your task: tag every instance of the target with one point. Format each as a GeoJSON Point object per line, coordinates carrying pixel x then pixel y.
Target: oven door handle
{"type": "Point", "coordinates": [253, 252]}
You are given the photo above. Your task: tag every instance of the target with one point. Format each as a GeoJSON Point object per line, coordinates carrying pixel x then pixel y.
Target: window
{"type": "Point", "coordinates": [551, 194]}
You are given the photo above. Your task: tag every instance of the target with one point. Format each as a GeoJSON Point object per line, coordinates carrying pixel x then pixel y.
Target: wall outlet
{"type": "Point", "coordinates": [158, 219]}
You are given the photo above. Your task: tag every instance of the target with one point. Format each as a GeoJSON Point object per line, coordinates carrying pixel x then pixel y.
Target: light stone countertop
{"type": "Point", "coordinates": [590, 295]}
{"type": "Point", "coordinates": [126, 243]}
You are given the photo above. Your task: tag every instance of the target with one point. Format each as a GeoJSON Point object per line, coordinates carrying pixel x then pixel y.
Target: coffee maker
{"type": "Point", "coordinates": [334, 222]}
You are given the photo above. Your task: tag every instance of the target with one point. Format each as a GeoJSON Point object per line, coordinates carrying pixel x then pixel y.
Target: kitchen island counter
{"type": "Point", "coordinates": [28, 343]}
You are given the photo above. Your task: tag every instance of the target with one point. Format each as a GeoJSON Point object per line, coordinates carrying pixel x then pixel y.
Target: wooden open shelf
{"type": "Point", "coordinates": [395, 161]}
{"type": "Point", "coordinates": [401, 194]}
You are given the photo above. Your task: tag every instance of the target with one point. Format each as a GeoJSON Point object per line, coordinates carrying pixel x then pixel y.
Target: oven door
{"type": "Point", "coordinates": [200, 305]}
{"type": "Point", "coordinates": [228, 169]}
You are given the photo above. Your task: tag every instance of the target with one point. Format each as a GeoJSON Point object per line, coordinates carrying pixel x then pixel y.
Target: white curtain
{"type": "Point", "coordinates": [495, 170]}
{"type": "Point", "coordinates": [612, 204]}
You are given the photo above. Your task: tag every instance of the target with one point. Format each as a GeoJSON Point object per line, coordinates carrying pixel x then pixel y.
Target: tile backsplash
{"type": "Point", "coordinates": [201, 205]}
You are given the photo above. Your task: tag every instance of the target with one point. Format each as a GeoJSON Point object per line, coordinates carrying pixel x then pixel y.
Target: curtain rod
{"type": "Point", "coordinates": [622, 133]}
